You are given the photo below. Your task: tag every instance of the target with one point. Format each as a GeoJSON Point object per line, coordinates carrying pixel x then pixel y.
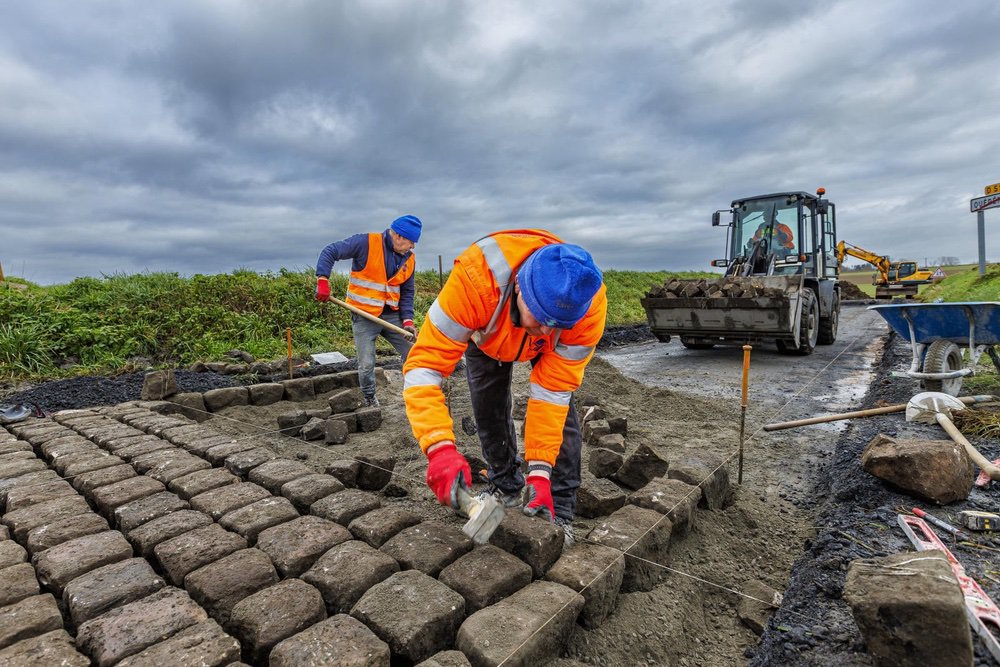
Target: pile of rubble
{"type": "Point", "coordinates": [746, 288]}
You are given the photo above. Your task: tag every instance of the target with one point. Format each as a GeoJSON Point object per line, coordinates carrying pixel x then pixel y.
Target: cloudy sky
{"type": "Point", "coordinates": [203, 136]}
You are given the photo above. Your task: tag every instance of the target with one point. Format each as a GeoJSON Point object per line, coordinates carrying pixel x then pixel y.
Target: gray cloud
{"type": "Point", "coordinates": [203, 136]}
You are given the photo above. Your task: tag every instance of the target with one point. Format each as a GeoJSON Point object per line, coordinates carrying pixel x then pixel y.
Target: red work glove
{"type": "Point", "coordinates": [408, 325]}
{"type": "Point", "coordinates": [322, 288]}
{"type": "Point", "coordinates": [446, 469]}
{"type": "Point", "coordinates": [541, 497]}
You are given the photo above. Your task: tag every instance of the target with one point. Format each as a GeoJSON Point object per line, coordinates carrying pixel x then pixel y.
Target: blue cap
{"type": "Point", "coordinates": [408, 227]}
{"type": "Point", "coordinates": [558, 282]}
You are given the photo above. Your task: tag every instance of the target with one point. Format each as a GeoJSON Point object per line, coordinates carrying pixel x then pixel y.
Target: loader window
{"type": "Point", "coordinates": [776, 222]}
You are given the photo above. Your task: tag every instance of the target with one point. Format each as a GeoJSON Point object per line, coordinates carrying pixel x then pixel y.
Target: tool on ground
{"type": "Point", "coordinates": [743, 405]}
{"type": "Point", "coordinates": [932, 407]}
{"type": "Point", "coordinates": [940, 523]}
{"type": "Point", "coordinates": [981, 611]}
{"type": "Point", "coordinates": [983, 480]}
{"type": "Point", "coordinates": [981, 521]}
{"type": "Point", "coordinates": [484, 512]}
{"type": "Point", "coordinates": [889, 409]}
{"type": "Point", "coordinates": [377, 320]}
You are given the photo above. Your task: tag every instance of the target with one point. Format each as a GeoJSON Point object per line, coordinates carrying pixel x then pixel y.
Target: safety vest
{"type": "Point", "coordinates": [780, 231]}
{"type": "Point", "coordinates": [475, 304]}
{"type": "Point", "coordinates": [369, 289]}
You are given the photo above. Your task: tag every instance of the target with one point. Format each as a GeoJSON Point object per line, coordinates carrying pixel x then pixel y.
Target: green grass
{"type": "Point", "coordinates": [123, 322]}
{"type": "Point", "coordinates": [964, 284]}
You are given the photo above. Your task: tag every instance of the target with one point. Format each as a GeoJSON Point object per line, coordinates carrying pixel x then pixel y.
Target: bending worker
{"type": "Point", "coordinates": [381, 284]}
{"type": "Point", "coordinates": [520, 295]}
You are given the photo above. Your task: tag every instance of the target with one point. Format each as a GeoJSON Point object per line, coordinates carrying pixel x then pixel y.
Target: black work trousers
{"type": "Point", "coordinates": [490, 390]}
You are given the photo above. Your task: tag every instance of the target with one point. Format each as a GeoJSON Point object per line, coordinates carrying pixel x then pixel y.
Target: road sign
{"type": "Point", "coordinates": [983, 203]}
{"type": "Point", "coordinates": [992, 189]}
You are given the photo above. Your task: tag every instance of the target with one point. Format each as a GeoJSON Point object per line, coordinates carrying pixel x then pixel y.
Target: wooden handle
{"type": "Point", "coordinates": [968, 400]}
{"type": "Point", "coordinates": [746, 375]}
{"type": "Point", "coordinates": [977, 458]}
{"type": "Point", "coordinates": [378, 320]}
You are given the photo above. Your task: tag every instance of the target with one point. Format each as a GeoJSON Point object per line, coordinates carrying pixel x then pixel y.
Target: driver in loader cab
{"type": "Point", "coordinates": [779, 232]}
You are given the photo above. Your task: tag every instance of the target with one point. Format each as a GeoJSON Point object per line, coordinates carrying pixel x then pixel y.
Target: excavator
{"type": "Point", "coordinates": [894, 278]}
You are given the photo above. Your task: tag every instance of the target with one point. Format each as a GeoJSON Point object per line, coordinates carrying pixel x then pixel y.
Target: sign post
{"type": "Point", "coordinates": [977, 206]}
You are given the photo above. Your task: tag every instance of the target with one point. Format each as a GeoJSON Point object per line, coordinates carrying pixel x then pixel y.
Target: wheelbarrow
{"type": "Point", "coordinates": [939, 333]}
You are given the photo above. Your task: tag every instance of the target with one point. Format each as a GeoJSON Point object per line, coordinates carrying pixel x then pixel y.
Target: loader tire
{"type": "Point", "coordinates": [808, 329]}
{"type": "Point", "coordinates": [828, 325]}
{"type": "Point", "coordinates": [943, 356]}
{"type": "Point", "coordinates": [696, 343]}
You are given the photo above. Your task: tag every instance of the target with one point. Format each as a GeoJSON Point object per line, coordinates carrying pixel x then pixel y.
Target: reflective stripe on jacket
{"type": "Point", "coordinates": [475, 304]}
{"type": "Point", "coordinates": [368, 289]}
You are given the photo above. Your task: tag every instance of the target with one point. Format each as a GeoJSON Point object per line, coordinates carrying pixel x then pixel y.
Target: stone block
{"type": "Point", "coordinates": [757, 605]}
{"type": "Point", "coordinates": [147, 462]}
{"type": "Point", "coordinates": [346, 506]}
{"type": "Point", "coordinates": [59, 565]}
{"type": "Point", "coordinates": [346, 400]}
{"type": "Point", "coordinates": [641, 466]}
{"type": "Point", "coordinates": [594, 429]}
{"type": "Point", "coordinates": [672, 497]}
{"type": "Point", "coordinates": [189, 404]}
{"type": "Point", "coordinates": [377, 526]}
{"type": "Point", "coordinates": [935, 470]}
{"type": "Point", "coordinates": [189, 551]}
{"type": "Point", "coordinates": [62, 530]}
{"type": "Point", "coordinates": [24, 520]}
{"type": "Point", "coordinates": [594, 571]}
{"type": "Point", "coordinates": [350, 378]}
{"type": "Point", "coordinates": [534, 540]}
{"type": "Point", "coordinates": [11, 553]}
{"type": "Point", "coordinates": [200, 446]}
{"type": "Point", "coordinates": [157, 385]}
{"type": "Point", "coordinates": [241, 464]}
{"type": "Point", "coordinates": [484, 576]}
{"type": "Point", "coordinates": [416, 615]}
{"type": "Point", "coordinates": [148, 535]}
{"type": "Point", "coordinates": [593, 412]}
{"type": "Point", "coordinates": [266, 393]}
{"type": "Point", "coordinates": [614, 442]}
{"type": "Point", "coordinates": [291, 423]}
{"type": "Point", "coordinates": [604, 463]}
{"type": "Point", "coordinates": [134, 514]}
{"type": "Point", "coordinates": [349, 418]}
{"type": "Point", "coordinates": [250, 520]}
{"type": "Point", "coordinates": [10, 446]}
{"type": "Point", "coordinates": [27, 479]}
{"type": "Point", "coordinates": [272, 475]}
{"type": "Point", "coordinates": [314, 429]}
{"type": "Point", "coordinates": [26, 496]}
{"type": "Point", "coordinates": [89, 481]}
{"type": "Point", "coordinates": [618, 425]}
{"type": "Point", "coordinates": [134, 627]}
{"type": "Point", "coordinates": [369, 419]}
{"type": "Point", "coordinates": [29, 618]}
{"type": "Point", "coordinates": [218, 453]}
{"type": "Point", "coordinates": [296, 545]}
{"type": "Point", "coordinates": [375, 471]}
{"type": "Point", "coordinates": [225, 499]}
{"type": "Point", "coordinates": [220, 585]}
{"type": "Point", "coordinates": [202, 644]}
{"type": "Point", "coordinates": [319, 413]}
{"type": "Point", "coordinates": [17, 467]}
{"type": "Point", "coordinates": [90, 595]}
{"type": "Point", "coordinates": [51, 648]}
{"type": "Point", "coordinates": [324, 384]}
{"type": "Point", "coordinates": [304, 491]}
{"type": "Point", "coordinates": [335, 432]}
{"type": "Point", "coordinates": [275, 614]}
{"type": "Point", "coordinates": [82, 465]}
{"type": "Point", "coordinates": [340, 640]}
{"type": "Point", "coordinates": [346, 470]}
{"type": "Point", "coordinates": [195, 483]}
{"type": "Point", "coordinates": [346, 571]}
{"type": "Point", "coordinates": [446, 659]}
{"type": "Point", "coordinates": [220, 399]}
{"type": "Point", "coordinates": [183, 464]}
{"type": "Point", "coordinates": [428, 547]}
{"type": "Point", "coordinates": [111, 497]}
{"type": "Point", "coordinates": [17, 582]}
{"type": "Point", "coordinates": [545, 613]}
{"type": "Point", "coordinates": [142, 447]}
{"type": "Point", "coordinates": [639, 532]}
{"type": "Point", "coordinates": [299, 389]}
{"type": "Point", "coordinates": [54, 450]}
{"type": "Point", "coordinates": [707, 471]}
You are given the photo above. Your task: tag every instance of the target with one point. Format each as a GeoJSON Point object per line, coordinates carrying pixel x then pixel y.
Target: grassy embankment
{"type": "Point", "coordinates": [127, 322]}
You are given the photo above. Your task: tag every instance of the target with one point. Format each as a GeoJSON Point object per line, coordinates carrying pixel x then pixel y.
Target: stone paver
{"type": "Point", "coordinates": [345, 506]}
{"type": "Point", "coordinates": [29, 618]}
{"type": "Point", "coordinates": [294, 546]}
{"type": "Point", "coordinates": [217, 454]}
{"type": "Point", "coordinates": [220, 585]}
{"type": "Point", "coordinates": [109, 498]}
{"type": "Point", "coordinates": [49, 535]}
{"type": "Point", "coordinates": [375, 471]}
{"type": "Point", "coordinates": [17, 582]}
{"type": "Point", "coordinates": [183, 464]}
{"type": "Point", "coordinates": [594, 571]}
{"type": "Point", "coordinates": [198, 482]}
{"type": "Point", "coordinates": [241, 464]}
{"type": "Point", "coordinates": [187, 552]}
{"type": "Point", "coordinates": [536, 541]}
{"type": "Point", "coordinates": [24, 520]}
{"type": "Point", "coordinates": [11, 553]}
{"type": "Point", "coordinates": [275, 614]}
{"type": "Point", "coordinates": [340, 640]}
{"type": "Point", "coordinates": [89, 481]}
{"type": "Point", "coordinates": [709, 472]}
{"type": "Point", "coordinates": [97, 591]}
{"type": "Point", "coordinates": [446, 659]}
{"type": "Point", "coordinates": [346, 571]}
{"type": "Point", "coordinates": [223, 500]}
{"type": "Point", "coordinates": [61, 564]}
{"type": "Point", "coordinates": [643, 533]}
{"type": "Point", "coordinates": [26, 479]}
{"type": "Point", "coordinates": [485, 576]}
{"type": "Point", "coordinates": [272, 475]}
{"type": "Point", "coordinates": [148, 535]}
{"type": "Point", "coordinates": [51, 648]}
{"type": "Point", "coordinates": [428, 547]}
{"type": "Point", "coordinates": [204, 644]}
{"type": "Point", "coordinates": [131, 515]}
{"type": "Point", "coordinates": [304, 491]}
{"type": "Point", "coordinates": [672, 497]}
{"type": "Point", "coordinates": [250, 520]}
{"type": "Point", "coordinates": [378, 526]}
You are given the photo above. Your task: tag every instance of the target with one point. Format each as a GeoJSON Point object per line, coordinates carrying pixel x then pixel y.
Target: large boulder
{"type": "Point", "coordinates": [937, 470]}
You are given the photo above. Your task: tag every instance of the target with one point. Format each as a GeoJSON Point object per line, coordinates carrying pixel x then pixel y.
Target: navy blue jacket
{"type": "Point", "coordinates": [356, 248]}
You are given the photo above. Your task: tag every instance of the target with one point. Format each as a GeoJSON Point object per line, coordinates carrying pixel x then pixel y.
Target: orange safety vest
{"type": "Point", "coordinates": [780, 230]}
{"type": "Point", "coordinates": [369, 289]}
{"type": "Point", "coordinates": [475, 305]}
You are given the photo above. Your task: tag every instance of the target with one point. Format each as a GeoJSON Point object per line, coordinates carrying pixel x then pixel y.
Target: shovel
{"type": "Point", "coordinates": [377, 320]}
{"type": "Point", "coordinates": [932, 407]}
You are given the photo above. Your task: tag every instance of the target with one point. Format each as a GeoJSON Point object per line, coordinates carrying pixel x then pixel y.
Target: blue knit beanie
{"type": "Point", "coordinates": [408, 227]}
{"type": "Point", "coordinates": [558, 282]}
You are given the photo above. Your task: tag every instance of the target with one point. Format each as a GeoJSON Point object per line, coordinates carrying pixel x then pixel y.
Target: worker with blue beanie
{"type": "Point", "coordinates": [381, 284]}
{"type": "Point", "coordinates": [520, 295]}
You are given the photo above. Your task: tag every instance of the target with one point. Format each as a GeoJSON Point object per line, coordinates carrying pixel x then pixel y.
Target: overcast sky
{"type": "Point", "coordinates": [204, 136]}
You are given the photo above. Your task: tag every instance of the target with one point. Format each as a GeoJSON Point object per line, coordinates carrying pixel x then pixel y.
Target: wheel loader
{"type": "Point", "coordinates": [780, 284]}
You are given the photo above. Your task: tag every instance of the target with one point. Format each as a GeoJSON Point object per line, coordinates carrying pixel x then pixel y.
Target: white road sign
{"type": "Point", "coordinates": [983, 203]}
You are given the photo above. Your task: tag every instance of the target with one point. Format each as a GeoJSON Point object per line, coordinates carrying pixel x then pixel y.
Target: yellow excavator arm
{"type": "Point", "coordinates": [880, 262]}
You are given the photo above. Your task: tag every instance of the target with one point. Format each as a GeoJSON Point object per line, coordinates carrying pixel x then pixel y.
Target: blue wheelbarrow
{"type": "Point", "coordinates": [939, 333]}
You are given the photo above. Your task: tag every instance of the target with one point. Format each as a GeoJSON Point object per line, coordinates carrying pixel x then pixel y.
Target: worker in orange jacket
{"type": "Point", "coordinates": [520, 295]}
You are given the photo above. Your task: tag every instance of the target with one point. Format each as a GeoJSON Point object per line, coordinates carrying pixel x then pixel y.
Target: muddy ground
{"type": "Point", "coordinates": [804, 511]}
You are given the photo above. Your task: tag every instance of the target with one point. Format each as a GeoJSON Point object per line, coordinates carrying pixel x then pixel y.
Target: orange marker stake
{"type": "Point", "coordinates": [743, 405]}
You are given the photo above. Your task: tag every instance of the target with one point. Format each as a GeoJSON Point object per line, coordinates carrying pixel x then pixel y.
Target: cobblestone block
{"type": "Point", "coordinates": [349, 418]}
{"type": "Point", "coordinates": [200, 481]}
{"type": "Point", "coordinates": [131, 515]}
{"type": "Point", "coordinates": [345, 470]}
{"type": "Point", "coordinates": [70, 444]}
{"type": "Point", "coordinates": [94, 462]}
{"type": "Point", "coordinates": [10, 446]}
{"type": "Point", "coordinates": [27, 479]}
{"type": "Point", "coordinates": [375, 471]}
{"type": "Point", "coordinates": [51, 648]}
{"type": "Point", "coordinates": [18, 467]}
{"type": "Point", "coordinates": [416, 615]}
{"type": "Point", "coordinates": [377, 526]}
{"type": "Point", "coordinates": [90, 595]}
{"type": "Point", "coordinates": [127, 630]}
{"type": "Point", "coordinates": [335, 432]}
{"type": "Point", "coordinates": [304, 491]}
{"type": "Point", "coordinates": [594, 429]}
{"type": "Point", "coordinates": [250, 520]}
{"type": "Point", "coordinates": [534, 540]}
{"type": "Point", "coordinates": [369, 419]}
{"type": "Point", "coordinates": [708, 472]}
{"type": "Point", "coordinates": [340, 640]}
{"type": "Point", "coordinates": [446, 659]}
{"type": "Point", "coordinates": [59, 565]}
{"type": "Point", "coordinates": [324, 384]}
{"type": "Point", "coordinates": [111, 497]}
{"type": "Point", "coordinates": [428, 547]}
{"type": "Point", "coordinates": [143, 464]}
{"type": "Point", "coordinates": [23, 520]}
{"type": "Point", "coordinates": [89, 481]}
{"type": "Point", "coordinates": [28, 618]}
{"type": "Point", "coordinates": [204, 644]}
{"type": "Point", "coordinates": [314, 429]}
{"type": "Point", "coordinates": [134, 445]}
{"type": "Point", "coordinates": [614, 442]}
{"type": "Point", "coordinates": [299, 389]}
{"type": "Point", "coordinates": [200, 446]}
{"type": "Point", "coordinates": [185, 435]}
{"type": "Point", "coordinates": [672, 497]}
{"type": "Point", "coordinates": [272, 475]}
{"type": "Point", "coordinates": [218, 453]}
{"type": "Point", "coordinates": [26, 496]}
{"type": "Point", "coordinates": [219, 399]}
{"type": "Point", "coordinates": [190, 405]}
{"type": "Point", "coordinates": [266, 393]}
{"type": "Point", "coordinates": [485, 576]}
{"type": "Point", "coordinates": [346, 571]}
{"type": "Point", "coordinates": [641, 466]}
{"type": "Point", "coordinates": [639, 532]}
{"type": "Point", "coordinates": [148, 535]}
{"type": "Point", "coordinates": [595, 572]}
{"type": "Point", "coordinates": [350, 378]}
{"type": "Point", "coordinates": [274, 614]}
{"type": "Point", "coordinates": [194, 549]}
{"type": "Point", "coordinates": [294, 546]}
{"type": "Point", "coordinates": [13, 456]}
{"type": "Point", "coordinates": [113, 432]}
{"type": "Point", "coordinates": [604, 463]}
{"type": "Point", "coordinates": [241, 464]}
{"type": "Point", "coordinates": [545, 613]}
{"type": "Point", "coordinates": [49, 535]}
{"type": "Point", "coordinates": [11, 553]}
{"type": "Point", "coordinates": [223, 500]}
{"type": "Point", "coordinates": [220, 585]}
{"type": "Point", "coordinates": [346, 400]}
{"type": "Point", "coordinates": [183, 464]}
{"type": "Point", "coordinates": [345, 506]}
{"type": "Point", "coordinates": [17, 582]}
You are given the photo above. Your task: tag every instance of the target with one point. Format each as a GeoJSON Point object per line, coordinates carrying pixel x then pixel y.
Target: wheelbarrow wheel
{"type": "Point", "coordinates": [943, 356]}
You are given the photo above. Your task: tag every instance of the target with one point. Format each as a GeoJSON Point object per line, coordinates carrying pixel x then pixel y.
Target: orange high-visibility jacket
{"type": "Point", "coordinates": [475, 304]}
{"type": "Point", "coordinates": [368, 288]}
